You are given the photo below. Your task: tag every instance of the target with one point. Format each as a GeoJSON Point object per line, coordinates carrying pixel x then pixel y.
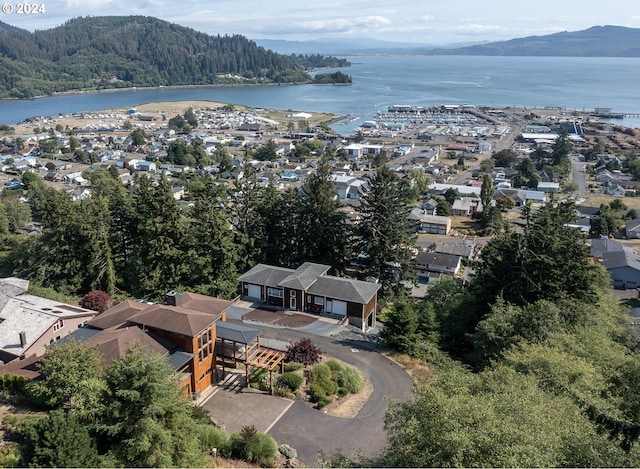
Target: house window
{"type": "Point", "coordinates": [318, 300]}
{"type": "Point", "coordinates": [58, 325]}
{"type": "Point", "coordinates": [275, 292]}
{"type": "Point", "coordinates": [308, 298]}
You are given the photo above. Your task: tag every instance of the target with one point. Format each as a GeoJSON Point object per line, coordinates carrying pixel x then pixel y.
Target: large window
{"type": "Point", "coordinates": [205, 345]}
{"type": "Point", "coordinates": [275, 292]}
{"type": "Point", "coordinates": [318, 300]}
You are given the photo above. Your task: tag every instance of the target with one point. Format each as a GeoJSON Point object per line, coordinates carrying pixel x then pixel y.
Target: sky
{"type": "Point", "coordinates": [418, 21]}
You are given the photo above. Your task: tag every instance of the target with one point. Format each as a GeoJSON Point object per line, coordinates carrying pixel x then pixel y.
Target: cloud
{"type": "Point", "coordinates": [481, 28]}
{"type": "Point", "coordinates": [342, 25]}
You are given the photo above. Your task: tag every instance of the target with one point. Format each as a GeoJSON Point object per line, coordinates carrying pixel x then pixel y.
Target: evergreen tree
{"type": "Point", "coordinates": [326, 236]}
{"type": "Point", "coordinates": [158, 261]}
{"type": "Point", "coordinates": [385, 237]}
{"type": "Point", "coordinates": [58, 440]}
{"type": "Point", "coordinates": [212, 250]}
{"type": "Point", "coordinates": [147, 421]}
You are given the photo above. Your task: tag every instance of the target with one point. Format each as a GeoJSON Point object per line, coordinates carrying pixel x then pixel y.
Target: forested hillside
{"type": "Point", "coordinates": [116, 51]}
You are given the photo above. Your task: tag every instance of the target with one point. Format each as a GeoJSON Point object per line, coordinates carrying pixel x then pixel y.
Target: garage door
{"type": "Point", "coordinates": [253, 291]}
{"type": "Point", "coordinates": [339, 307]}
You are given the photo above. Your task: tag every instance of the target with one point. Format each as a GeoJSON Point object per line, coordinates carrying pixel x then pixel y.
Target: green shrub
{"type": "Point", "coordinates": [282, 391]}
{"type": "Point", "coordinates": [351, 379]}
{"type": "Point", "coordinates": [259, 379]}
{"type": "Point", "coordinates": [287, 451]}
{"type": "Point", "coordinates": [9, 456]}
{"type": "Point", "coordinates": [292, 381]}
{"type": "Point", "coordinates": [320, 374]}
{"type": "Point", "coordinates": [323, 402]}
{"type": "Point", "coordinates": [342, 392]}
{"type": "Point", "coordinates": [317, 392]}
{"type": "Point", "coordinates": [334, 365]}
{"type": "Point", "coordinates": [253, 446]}
{"type": "Point", "coordinates": [293, 366]}
{"type": "Point", "coordinates": [210, 436]}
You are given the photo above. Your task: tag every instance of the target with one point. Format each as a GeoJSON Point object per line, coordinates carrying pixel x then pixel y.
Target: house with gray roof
{"type": "Point", "coordinates": [624, 268]}
{"type": "Point", "coordinates": [632, 228]}
{"type": "Point", "coordinates": [309, 288]}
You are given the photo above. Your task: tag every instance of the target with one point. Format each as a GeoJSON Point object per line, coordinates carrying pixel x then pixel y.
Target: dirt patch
{"type": "Point", "coordinates": [279, 318]}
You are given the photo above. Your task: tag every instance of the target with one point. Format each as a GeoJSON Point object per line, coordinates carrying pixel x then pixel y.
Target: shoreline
{"type": "Point", "coordinates": [151, 88]}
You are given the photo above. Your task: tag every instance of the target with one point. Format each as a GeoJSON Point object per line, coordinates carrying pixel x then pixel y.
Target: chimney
{"type": "Point", "coordinates": [23, 339]}
{"type": "Point", "coordinates": [173, 298]}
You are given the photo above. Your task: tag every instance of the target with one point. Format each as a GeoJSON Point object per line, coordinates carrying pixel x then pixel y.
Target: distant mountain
{"type": "Point", "coordinates": [126, 51]}
{"type": "Point", "coordinates": [351, 46]}
{"type": "Point", "coordinates": [598, 41]}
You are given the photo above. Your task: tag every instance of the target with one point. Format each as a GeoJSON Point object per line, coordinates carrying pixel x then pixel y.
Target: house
{"type": "Point", "coordinates": [429, 207]}
{"type": "Point", "coordinates": [548, 186]}
{"type": "Point", "coordinates": [466, 207]}
{"type": "Point", "coordinates": [183, 329]}
{"type": "Point", "coordinates": [433, 224]}
{"type": "Point", "coordinates": [624, 268]}
{"type": "Point", "coordinates": [348, 187]}
{"type": "Point", "coordinates": [601, 245]}
{"type": "Point", "coordinates": [28, 323]}
{"type": "Point", "coordinates": [309, 288]}
{"type": "Point", "coordinates": [632, 228]}
{"type": "Point", "coordinates": [428, 263]}
{"type": "Point", "coordinates": [615, 190]}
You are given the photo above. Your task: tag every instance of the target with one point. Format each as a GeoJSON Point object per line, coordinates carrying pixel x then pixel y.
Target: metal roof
{"type": "Point", "coordinates": [236, 332]}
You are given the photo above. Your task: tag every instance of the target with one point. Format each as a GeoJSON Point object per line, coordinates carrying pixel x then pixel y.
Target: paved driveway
{"type": "Point", "coordinates": [310, 431]}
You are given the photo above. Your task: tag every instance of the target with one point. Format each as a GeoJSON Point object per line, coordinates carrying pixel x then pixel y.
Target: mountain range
{"type": "Point", "coordinates": [598, 41]}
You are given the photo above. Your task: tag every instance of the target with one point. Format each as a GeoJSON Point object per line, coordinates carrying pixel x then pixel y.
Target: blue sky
{"type": "Point", "coordinates": [420, 21]}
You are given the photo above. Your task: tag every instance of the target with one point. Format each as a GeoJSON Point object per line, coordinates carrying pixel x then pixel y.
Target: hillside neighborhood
{"type": "Point", "coordinates": [464, 175]}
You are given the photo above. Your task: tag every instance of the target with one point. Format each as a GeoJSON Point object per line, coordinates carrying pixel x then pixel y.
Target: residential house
{"type": "Point", "coordinates": [466, 207]}
{"type": "Point", "coordinates": [624, 268]}
{"type": "Point", "coordinates": [433, 224]}
{"type": "Point", "coordinates": [429, 207]}
{"type": "Point", "coordinates": [348, 187]}
{"type": "Point", "coordinates": [604, 244]}
{"type": "Point", "coordinates": [632, 228]}
{"type": "Point", "coordinates": [309, 288]}
{"type": "Point", "coordinates": [548, 187]}
{"type": "Point", "coordinates": [184, 330]}
{"type": "Point", "coordinates": [28, 323]}
{"type": "Point", "coordinates": [428, 263]}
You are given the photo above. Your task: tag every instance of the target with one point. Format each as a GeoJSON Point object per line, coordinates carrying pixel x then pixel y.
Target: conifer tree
{"type": "Point", "coordinates": [326, 236]}
{"type": "Point", "coordinates": [386, 240]}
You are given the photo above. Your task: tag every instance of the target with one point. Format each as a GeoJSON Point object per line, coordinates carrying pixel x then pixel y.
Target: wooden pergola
{"type": "Point", "coordinates": [266, 359]}
{"type": "Point", "coordinates": [241, 344]}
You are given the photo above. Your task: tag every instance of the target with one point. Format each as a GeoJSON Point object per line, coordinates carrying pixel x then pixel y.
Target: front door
{"type": "Point", "coordinates": [292, 301]}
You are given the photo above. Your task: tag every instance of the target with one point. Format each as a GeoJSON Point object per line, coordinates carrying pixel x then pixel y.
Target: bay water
{"type": "Point", "coordinates": [379, 81]}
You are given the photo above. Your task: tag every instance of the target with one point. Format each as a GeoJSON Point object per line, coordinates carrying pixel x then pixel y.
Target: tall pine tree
{"type": "Point", "coordinates": [386, 240]}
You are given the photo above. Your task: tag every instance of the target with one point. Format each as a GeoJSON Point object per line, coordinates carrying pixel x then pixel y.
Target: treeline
{"type": "Point", "coordinates": [535, 363]}
{"type": "Point", "coordinates": [332, 78]}
{"type": "Point", "coordinates": [125, 51]}
{"type": "Point", "coordinates": [316, 61]}
{"type": "Point", "coordinates": [140, 243]}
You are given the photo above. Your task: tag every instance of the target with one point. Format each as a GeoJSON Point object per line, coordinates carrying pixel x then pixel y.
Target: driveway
{"type": "Point", "coordinates": [307, 430]}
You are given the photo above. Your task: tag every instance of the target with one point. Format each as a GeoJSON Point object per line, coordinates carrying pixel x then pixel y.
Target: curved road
{"type": "Point", "coordinates": [310, 431]}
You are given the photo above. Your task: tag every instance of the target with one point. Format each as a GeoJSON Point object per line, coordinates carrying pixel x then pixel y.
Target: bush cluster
{"type": "Point", "coordinates": [327, 379]}
{"type": "Point", "coordinates": [253, 446]}
{"type": "Point", "coordinates": [290, 380]}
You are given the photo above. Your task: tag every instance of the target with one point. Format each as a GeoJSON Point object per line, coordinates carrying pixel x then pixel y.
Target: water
{"type": "Point", "coordinates": [380, 81]}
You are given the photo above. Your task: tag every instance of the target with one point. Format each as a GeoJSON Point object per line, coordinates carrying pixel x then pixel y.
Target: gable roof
{"type": "Point", "coordinates": [264, 274]}
{"type": "Point", "coordinates": [602, 245]}
{"type": "Point", "coordinates": [632, 225]}
{"type": "Point", "coordinates": [344, 289]}
{"type": "Point", "coordinates": [176, 319]}
{"type": "Point", "coordinates": [304, 276]}
{"type": "Point", "coordinates": [438, 259]}
{"type": "Point", "coordinates": [624, 258]}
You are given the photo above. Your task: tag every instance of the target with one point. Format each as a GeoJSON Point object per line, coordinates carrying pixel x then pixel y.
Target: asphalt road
{"type": "Point", "coordinates": [310, 431]}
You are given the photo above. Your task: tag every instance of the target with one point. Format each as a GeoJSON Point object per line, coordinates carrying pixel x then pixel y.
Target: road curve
{"type": "Point", "coordinates": [310, 431]}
